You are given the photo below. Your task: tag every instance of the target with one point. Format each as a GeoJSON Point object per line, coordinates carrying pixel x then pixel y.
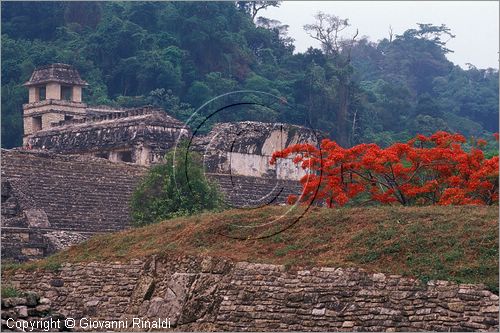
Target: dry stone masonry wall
{"type": "Point", "coordinates": [31, 312]}
{"type": "Point", "coordinates": [215, 294]}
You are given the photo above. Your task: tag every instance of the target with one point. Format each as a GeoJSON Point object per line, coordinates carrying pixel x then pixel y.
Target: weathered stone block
{"type": "Point", "coordinates": [37, 218]}
{"type": "Point", "coordinates": [490, 309]}
{"type": "Point", "coordinates": [21, 311]}
{"type": "Point", "coordinates": [56, 283]}
{"type": "Point", "coordinates": [12, 301]}
{"type": "Point", "coordinates": [318, 312]}
{"type": "Point", "coordinates": [456, 306]}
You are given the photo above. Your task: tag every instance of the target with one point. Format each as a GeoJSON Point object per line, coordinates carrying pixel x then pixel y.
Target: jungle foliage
{"type": "Point", "coordinates": [178, 55]}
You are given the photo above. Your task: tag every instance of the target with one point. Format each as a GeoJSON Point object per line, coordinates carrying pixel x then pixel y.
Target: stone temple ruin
{"type": "Point", "coordinates": [56, 119]}
{"type": "Point", "coordinates": [50, 201]}
{"type": "Point", "coordinates": [79, 164]}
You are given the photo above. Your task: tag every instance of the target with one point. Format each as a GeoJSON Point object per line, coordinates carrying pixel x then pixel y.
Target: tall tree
{"type": "Point", "coordinates": [254, 7]}
{"type": "Point", "coordinates": [327, 30]}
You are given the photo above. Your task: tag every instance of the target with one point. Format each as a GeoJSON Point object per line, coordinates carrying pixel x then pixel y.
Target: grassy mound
{"type": "Point", "coordinates": [450, 243]}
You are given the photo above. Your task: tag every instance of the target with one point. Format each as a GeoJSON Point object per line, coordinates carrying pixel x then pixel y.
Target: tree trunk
{"type": "Point", "coordinates": [342, 125]}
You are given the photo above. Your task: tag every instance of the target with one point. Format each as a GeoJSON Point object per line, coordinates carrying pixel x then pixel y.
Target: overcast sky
{"type": "Point", "coordinates": [475, 23]}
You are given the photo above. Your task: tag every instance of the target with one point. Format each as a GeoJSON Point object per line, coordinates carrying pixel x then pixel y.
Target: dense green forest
{"type": "Point", "coordinates": [178, 55]}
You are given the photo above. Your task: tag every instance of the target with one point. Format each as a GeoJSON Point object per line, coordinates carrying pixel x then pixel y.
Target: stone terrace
{"type": "Point", "coordinates": [214, 294]}
{"type": "Point", "coordinates": [75, 192]}
{"type": "Point", "coordinates": [63, 193]}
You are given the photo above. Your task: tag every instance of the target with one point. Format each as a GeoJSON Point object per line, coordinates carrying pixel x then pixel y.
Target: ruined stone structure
{"type": "Point", "coordinates": [201, 294]}
{"type": "Point", "coordinates": [237, 156]}
{"type": "Point", "coordinates": [50, 201]}
{"type": "Point", "coordinates": [140, 136]}
{"type": "Point", "coordinates": [245, 149]}
{"type": "Point", "coordinates": [63, 188]}
{"type": "Point", "coordinates": [57, 120]}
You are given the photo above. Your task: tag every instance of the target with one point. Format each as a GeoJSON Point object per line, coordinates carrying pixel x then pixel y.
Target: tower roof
{"type": "Point", "coordinates": [61, 73]}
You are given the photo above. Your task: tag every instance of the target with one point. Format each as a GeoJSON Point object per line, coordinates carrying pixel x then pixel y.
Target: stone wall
{"type": "Point", "coordinates": [215, 294]}
{"type": "Point", "coordinates": [244, 191]}
{"type": "Point", "coordinates": [30, 312]}
{"type": "Point", "coordinates": [245, 148]}
{"type": "Point", "coordinates": [50, 110]}
{"type": "Point", "coordinates": [136, 131]}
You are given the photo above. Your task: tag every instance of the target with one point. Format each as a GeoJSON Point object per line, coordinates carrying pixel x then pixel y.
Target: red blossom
{"type": "Point", "coordinates": [426, 170]}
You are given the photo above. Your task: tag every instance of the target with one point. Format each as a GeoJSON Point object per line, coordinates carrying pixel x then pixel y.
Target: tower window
{"type": "Point", "coordinates": [37, 123]}
{"type": "Point", "coordinates": [66, 93]}
{"type": "Point", "coordinates": [41, 93]}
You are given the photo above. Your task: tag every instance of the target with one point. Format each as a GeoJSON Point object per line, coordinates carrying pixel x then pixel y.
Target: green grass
{"type": "Point", "coordinates": [9, 291]}
{"type": "Point", "coordinates": [450, 243]}
{"type": "Point", "coordinates": [429, 248]}
{"type": "Point", "coordinates": [284, 251]}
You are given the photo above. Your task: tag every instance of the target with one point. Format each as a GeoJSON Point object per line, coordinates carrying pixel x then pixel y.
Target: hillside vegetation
{"type": "Point", "coordinates": [435, 242]}
{"type": "Point", "coordinates": [178, 55]}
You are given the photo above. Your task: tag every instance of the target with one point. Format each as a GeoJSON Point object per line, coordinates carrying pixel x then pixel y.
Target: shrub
{"type": "Point", "coordinates": [176, 187]}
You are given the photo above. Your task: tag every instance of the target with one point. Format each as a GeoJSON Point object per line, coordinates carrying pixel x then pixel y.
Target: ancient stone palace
{"type": "Point", "coordinates": [79, 164]}
{"type": "Point", "coordinates": [56, 120]}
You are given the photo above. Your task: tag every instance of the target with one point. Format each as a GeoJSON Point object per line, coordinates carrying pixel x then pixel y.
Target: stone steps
{"type": "Point", "coordinates": [244, 191]}
{"type": "Point", "coordinates": [89, 194]}
{"type": "Point", "coordinates": [76, 193]}
{"type": "Point", "coordinates": [23, 244]}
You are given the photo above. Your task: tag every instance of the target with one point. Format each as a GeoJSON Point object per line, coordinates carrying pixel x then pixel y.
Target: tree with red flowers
{"type": "Point", "coordinates": [423, 171]}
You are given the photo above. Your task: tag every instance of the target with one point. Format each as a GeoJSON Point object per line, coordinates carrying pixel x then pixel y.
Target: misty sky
{"type": "Point", "coordinates": [475, 23]}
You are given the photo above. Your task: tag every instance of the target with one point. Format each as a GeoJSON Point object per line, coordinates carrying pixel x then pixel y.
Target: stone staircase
{"type": "Point", "coordinates": [19, 241]}
{"type": "Point", "coordinates": [23, 244]}
{"type": "Point", "coordinates": [77, 193]}
{"type": "Point", "coordinates": [50, 201]}
{"type": "Point", "coordinates": [245, 191]}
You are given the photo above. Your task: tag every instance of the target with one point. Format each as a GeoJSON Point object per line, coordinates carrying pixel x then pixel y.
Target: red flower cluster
{"type": "Point", "coordinates": [424, 171]}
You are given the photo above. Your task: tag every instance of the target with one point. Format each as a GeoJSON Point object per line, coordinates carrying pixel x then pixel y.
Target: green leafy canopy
{"type": "Point", "coordinates": [179, 55]}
